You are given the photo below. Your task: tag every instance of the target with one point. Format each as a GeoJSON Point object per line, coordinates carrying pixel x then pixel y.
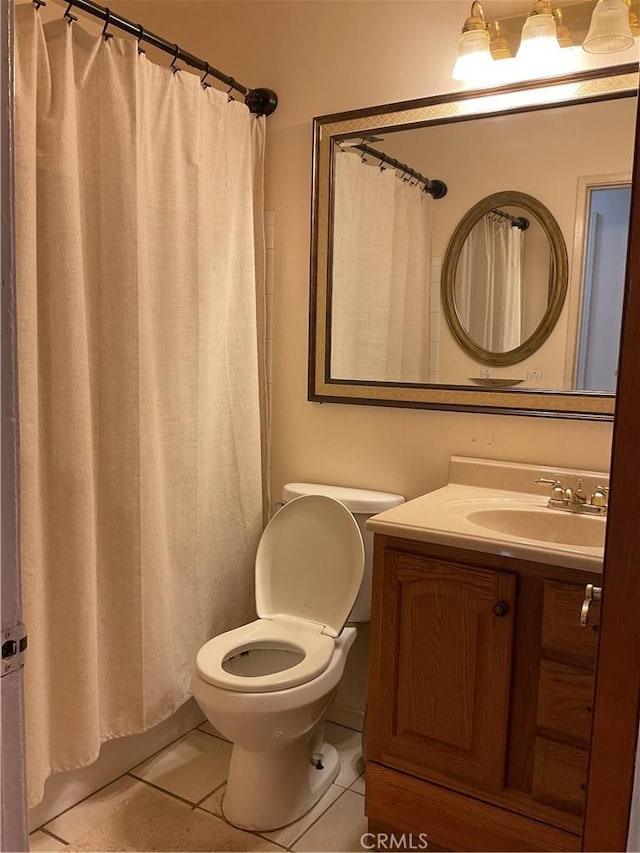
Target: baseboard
{"type": "Point", "coordinates": [64, 790]}
{"type": "Point", "coordinates": [352, 718]}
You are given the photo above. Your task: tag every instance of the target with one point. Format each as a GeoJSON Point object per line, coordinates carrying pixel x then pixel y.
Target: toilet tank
{"type": "Point", "coordinates": [363, 503]}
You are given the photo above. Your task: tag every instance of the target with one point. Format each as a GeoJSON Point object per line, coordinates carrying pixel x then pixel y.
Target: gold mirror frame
{"type": "Point", "coordinates": [601, 84]}
{"type": "Point", "coordinates": [557, 285]}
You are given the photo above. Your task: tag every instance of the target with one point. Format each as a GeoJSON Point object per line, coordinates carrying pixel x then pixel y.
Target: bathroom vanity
{"type": "Point", "coordinates": [482, 675]}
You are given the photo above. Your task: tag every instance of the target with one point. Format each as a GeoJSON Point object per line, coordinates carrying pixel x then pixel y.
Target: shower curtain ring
{"type": "Point", "coordinates": [107, 20]}
{"type": "Point", "coordinates": [39, 3]}
{"type": "Point", "coordinates": [203, 81]}
{"type": "Point", "coordinates": [70, 18]}
{"type": "Point", "coordinates": [173, 65]}
{"type": "Point", "coordinates": [141, 50]}
{"type": "Point", "coordinates": [232, 85]}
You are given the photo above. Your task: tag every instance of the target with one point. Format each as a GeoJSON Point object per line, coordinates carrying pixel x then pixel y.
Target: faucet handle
{"type": "Point", "coordinates": [579, 495]}
{"type": "Point", "coordinates": [557, 492]}
{"type": "Point", "coordinates": [600, 496]}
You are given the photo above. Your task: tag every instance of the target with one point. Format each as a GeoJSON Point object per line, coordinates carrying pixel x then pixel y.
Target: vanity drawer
{"type": "Point", "coordinates": [564, 703]}
{"type": "Point", "coordinates": [563, 638]}
{"type": "Point", "coordinates": [559, 775]}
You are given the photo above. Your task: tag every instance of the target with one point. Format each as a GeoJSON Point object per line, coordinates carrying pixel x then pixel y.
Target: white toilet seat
{"type": "Point", "coordinates": [309, 568]}
{"type": "Point", "coordinates": [280, 632]}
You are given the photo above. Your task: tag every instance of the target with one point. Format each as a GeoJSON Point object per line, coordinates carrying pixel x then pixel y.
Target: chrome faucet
{"type": "Point", "coordinates": [576, 500]}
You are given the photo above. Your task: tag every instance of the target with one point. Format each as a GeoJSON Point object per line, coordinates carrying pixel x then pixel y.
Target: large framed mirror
{"type": "Point", "coordinates": [468, 251]}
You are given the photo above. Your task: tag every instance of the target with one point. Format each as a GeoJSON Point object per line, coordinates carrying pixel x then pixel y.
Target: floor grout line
{"type": "Point", "coordinates": [210, 794]}
{"type": "Point", "coordinates": [211, 734]}
{"type": "Point", "coordinates": [163, 790]}
{"type": "Point", "coordinates": [325, 812]}
{"type": "Point", "coordinates": [53, 835]}
{"type": "Point", "coordinates": [350, 788]}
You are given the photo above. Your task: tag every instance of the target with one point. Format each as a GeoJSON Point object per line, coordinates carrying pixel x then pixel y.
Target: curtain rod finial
{"type": "Point", "coordinates": [261, 101]}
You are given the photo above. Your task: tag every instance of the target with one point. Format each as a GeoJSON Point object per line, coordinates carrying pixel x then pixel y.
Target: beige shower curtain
{"type": "Point", "coordinates": [381, 275]}
{"type": "Point", "coordinates": [138, 380]}
{"type": "Point", "coordinates": [488, 284]}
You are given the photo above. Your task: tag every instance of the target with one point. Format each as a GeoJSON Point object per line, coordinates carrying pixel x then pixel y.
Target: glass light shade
{"type": "Point", "coordinates": [539, 41]}
{"type": "Point", "coordinates": [610, 31]}
{"type": "Point", "coordinates": [474, 60]}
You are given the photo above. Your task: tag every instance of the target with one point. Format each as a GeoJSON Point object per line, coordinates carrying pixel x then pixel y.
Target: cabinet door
{"type": "Point", "coordinates": [441, 669]}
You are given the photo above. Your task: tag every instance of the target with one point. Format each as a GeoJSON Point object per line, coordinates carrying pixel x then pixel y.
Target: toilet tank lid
{"type": "Point", "coordinates": [364, 501]}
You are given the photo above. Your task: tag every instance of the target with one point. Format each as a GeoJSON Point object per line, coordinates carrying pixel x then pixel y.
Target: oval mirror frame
{"type": "Point", "coordinates": [557, 285]}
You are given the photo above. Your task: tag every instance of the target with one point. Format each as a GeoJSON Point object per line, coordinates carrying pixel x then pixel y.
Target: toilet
{"type": "Point", "coordinates": [266, 686]}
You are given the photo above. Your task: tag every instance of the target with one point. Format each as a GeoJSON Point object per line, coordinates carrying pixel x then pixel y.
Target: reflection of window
{"type": "Point", "coordinates": [604, 276]}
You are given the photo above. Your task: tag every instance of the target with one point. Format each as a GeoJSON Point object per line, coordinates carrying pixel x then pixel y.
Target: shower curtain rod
{"type": "Point", "coordinates": [520, 222]}
{"type": "Point", "coordinates": [260, 101]}
{"type": "Point", "coordinates": [437, 189]}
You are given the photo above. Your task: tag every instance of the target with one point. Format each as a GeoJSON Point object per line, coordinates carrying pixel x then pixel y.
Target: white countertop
{"type": "Point", "coordinates": [442, 516]}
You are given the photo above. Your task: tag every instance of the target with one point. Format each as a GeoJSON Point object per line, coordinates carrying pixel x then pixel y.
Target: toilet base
{"type": "Point", "coordinates": [268, 790]}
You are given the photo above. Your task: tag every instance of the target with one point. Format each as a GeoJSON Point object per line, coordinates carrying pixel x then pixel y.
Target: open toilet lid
{"type": "Point", "coordinates": [310, 563]}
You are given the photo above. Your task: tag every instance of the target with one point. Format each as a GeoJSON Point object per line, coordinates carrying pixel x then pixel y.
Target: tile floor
{"type": "Point", "coordinates": [171, 802]}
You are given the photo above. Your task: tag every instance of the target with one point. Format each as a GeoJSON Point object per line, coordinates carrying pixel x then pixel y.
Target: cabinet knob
{"type": "Point", "coordinates": [500, 608]}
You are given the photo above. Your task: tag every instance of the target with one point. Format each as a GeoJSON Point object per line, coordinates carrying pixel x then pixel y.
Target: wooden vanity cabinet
{"type": "Point", "coordinates": [481, 686]}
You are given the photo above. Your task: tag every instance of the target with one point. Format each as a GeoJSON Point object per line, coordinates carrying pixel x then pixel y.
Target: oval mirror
{"type": "Point", "coordinates": [504, 278]}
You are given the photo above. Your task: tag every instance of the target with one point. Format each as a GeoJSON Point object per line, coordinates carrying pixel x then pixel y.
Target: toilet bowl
{"type": "Point", "coordinates": [280, 764]}
{"type": "Point", "coordinates": [266, 686]}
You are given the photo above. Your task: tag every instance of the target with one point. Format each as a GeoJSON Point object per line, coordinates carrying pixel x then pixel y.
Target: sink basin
{"type": "Point", "coordinates": [544, 525]}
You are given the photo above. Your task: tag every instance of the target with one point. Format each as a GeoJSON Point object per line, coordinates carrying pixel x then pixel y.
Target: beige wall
{"type": "Point", "coordinates": [324, 57]}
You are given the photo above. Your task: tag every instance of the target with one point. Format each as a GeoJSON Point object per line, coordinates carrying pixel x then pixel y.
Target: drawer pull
{"type": "Point", "coordinates": [500, 609]}
{"type": "Point", "coordinates": [591, 593]}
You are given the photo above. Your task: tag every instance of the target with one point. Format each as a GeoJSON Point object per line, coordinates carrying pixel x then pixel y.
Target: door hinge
{"type": "Point", "coordinates": [14, 643]}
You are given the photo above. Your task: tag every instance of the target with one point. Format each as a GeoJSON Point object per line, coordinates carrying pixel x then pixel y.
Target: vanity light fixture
{"type": "Point", "coordinates": [539, 42]}
{"type": "Point", "coordinates": [547, 31]}
{"type": "Point", "coordinates": [499, 45]}
{"type": "Point", "coordinates": [610, 29]}
{"type": "Point", "coordinates": [474, 60]}
{"type": "Point", "coordinates": [564, 34]}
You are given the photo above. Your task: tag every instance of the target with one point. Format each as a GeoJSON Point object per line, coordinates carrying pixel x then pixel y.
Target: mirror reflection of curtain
{"type": "Point", "coordinates": [380, 283]}
{"type": "Point", "coordinates": [489, 284]}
